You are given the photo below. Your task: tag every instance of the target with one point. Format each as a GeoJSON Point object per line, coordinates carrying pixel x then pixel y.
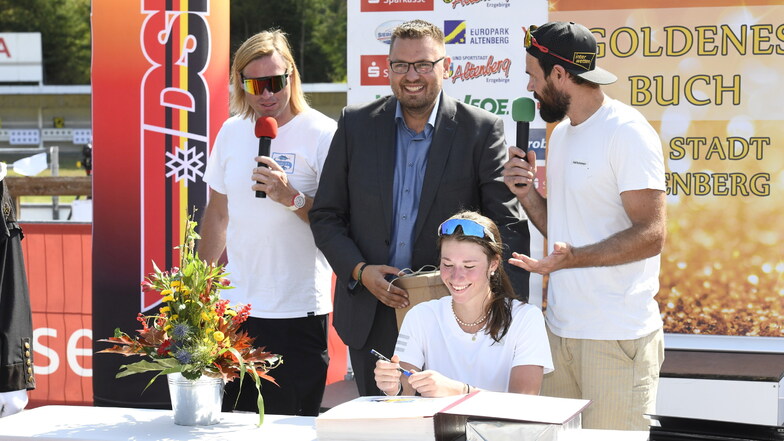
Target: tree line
{"type": "Point", "coordinates": [316, 30]}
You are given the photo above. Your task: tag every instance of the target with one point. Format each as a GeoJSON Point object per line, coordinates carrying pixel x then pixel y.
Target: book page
{"type": "Point", "coordinates": [382, 407]}
{"type": "Point", "coordinates": [519, 407]}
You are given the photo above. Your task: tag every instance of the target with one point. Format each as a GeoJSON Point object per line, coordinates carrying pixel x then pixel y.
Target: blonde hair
{"type": "Point", "coordinates": [261, 45]}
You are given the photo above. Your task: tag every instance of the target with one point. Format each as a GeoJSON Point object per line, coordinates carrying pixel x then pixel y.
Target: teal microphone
{"type": "Point", "coordinates": [523, 112]}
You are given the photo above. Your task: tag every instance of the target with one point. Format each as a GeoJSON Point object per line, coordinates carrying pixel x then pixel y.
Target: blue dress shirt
{"type": "Point", "coordinates": [410, 165]}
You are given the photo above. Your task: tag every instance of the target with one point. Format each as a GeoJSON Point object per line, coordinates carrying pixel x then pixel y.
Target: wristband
{"type": "Point", "coordinates": [359, 274]}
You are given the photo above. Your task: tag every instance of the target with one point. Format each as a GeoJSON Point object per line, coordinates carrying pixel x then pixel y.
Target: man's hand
{"type": "Point", "coordinates": [273, 181]}
{"type": "Point", "coordinates": [520, 171]}
{"type": "Point", "coordinates": [560, 258]}
{"type": "Point", "coordinates": [373, 278]}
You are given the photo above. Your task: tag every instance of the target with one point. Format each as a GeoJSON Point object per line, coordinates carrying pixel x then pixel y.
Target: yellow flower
{"type": "Point", "coordinates": [165, 309]}
{"type": "Point", "coordinates": [168, 298]}
{"type": "Point", "coordinates": [218, 336]}
{"type": "Point", "coordinates": [231, 312]}
{"type": "Point", "coordinates": [204, 316]}
{"type": "Point", "coordinates": [175, 283]}
{"type": "Point", "coordinates": [175, 317]}
{"type": "Point", "coordinates": [166, 292]}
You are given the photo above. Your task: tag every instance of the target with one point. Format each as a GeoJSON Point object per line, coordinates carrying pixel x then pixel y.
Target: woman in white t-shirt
{"type": "Point", "coordinates": [480, 337]}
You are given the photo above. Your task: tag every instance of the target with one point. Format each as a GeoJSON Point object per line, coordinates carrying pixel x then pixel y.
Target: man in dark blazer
{"type": "Point", "coordinates": [397, 168]}
{"type": "Point", "coordinates": [16, 320]}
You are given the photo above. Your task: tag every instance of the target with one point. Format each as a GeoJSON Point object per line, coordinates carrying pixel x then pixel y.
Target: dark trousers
{"type": "Point", "coordinates": [382, 337]}
{"type": "Point", "coordinates": [302, 342]}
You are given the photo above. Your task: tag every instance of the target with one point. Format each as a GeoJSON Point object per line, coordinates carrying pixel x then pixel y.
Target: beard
{"type": "Point", "coordinates": [417, 103]}
{"type": "Point", "coordinates": [553, 104]}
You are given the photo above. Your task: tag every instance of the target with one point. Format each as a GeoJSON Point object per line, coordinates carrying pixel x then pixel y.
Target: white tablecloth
{"type": "Point", "coordinates": [112, 423]}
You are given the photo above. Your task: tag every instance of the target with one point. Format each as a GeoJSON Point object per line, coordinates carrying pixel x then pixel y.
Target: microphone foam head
{"type": "Point", "coordinates": [266, 126]}
{"type": "Point", "coordinates": [523, 109]}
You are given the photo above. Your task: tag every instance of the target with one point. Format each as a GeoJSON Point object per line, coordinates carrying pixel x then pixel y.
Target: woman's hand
{"type": "Point", "coordinates": [432, 384]}
{"type": "Point", "coordinates": [387, 376]}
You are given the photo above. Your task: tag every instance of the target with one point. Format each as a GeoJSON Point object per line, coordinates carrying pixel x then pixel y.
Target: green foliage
{"type": "Point", "coordinates": [65, 35]}
{"type": "Point", "coordinates": [316, 30]}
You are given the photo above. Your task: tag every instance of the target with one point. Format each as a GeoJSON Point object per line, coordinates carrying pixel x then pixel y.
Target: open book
{"type": "Point", "coordinates": [428, 419]}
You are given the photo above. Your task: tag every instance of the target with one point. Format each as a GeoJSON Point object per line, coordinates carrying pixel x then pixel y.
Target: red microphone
{"type": "Point", "coordinates": [266, 131]}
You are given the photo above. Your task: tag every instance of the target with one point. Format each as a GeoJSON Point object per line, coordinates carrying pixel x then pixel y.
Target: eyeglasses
{"type": "Point", "coordinates": [420, 67]}
{"type": "Point", "coordinates": [467, 226]}
{"type": "Point", "coordinates": [257, 86]}
{"type": "Point", "coordinates": [530, 40]}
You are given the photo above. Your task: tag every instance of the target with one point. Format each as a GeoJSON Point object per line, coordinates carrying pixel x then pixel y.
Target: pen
{"type": "Point", "coordinates": [381, 357]}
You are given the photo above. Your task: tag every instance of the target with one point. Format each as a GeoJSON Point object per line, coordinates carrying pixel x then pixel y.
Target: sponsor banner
{"type": "Point", "coordinates": [164, 64]}
{"type": "Point", "coordinates": [702, 73]}
{"type": "Point", "coordinates": [484, 43]}
{"type": "Point", "coordinates": [396, 5]}
{"type": "Point", "coordinates": [58, 265]}
{"type": "Point", "coordinates": [21, 58]}
{"type": "Point", "coordinates": [62, 345]}
{"type": "Point", "coordinates": [492, 4]}
{"type": "Point", "coordinates": [537, 141]}
{"type": "Point", "coordinates": [374, 70]}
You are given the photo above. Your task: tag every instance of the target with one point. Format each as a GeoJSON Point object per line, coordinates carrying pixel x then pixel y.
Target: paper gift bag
{"type": "Point", "coordinates": [421, 287]}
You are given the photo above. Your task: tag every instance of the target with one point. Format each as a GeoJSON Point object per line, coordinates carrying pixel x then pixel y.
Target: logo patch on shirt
{"type": "Point", "coordinates": [285, 161]}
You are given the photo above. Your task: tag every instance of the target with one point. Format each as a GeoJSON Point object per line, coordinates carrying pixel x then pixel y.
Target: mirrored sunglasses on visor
{"type": "Point", "coordinates": [469, 228]}
{"type": "Point", "coordinates": [530, 40]}
{"type": "Point", "coordinates": [274, 84]}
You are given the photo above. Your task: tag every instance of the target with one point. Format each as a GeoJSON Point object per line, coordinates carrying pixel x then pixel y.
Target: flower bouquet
{"type": "Point", "coordinates": [195, 332]}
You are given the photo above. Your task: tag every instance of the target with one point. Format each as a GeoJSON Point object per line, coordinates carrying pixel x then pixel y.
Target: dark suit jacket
{"type": "Point", "coordinates": [16, 320]}
{"type": "Point", "coordinates": [351, 218]}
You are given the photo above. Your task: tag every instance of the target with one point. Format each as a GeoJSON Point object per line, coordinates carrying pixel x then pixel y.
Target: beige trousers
{"type": "Point", "coordinates": [621, 378]}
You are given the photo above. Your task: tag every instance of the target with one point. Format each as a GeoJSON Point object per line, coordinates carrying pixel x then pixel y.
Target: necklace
{"type": "Point", "coordinates": [481, 319]}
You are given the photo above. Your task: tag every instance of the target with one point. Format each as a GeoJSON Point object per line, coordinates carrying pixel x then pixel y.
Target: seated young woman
{"type": "Point", "coordinates": [479, 337]}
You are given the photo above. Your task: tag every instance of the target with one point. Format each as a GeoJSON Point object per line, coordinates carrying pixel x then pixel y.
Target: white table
{"type": "Point", "coordinates": [113, 423]}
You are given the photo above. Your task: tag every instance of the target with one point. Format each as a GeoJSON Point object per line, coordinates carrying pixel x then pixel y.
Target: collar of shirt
{"type": "Point", "coordinates": [431, 121]}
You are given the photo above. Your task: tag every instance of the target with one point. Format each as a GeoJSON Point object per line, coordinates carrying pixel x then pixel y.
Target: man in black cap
{"type": "Point", "coordinates": [604, 220]}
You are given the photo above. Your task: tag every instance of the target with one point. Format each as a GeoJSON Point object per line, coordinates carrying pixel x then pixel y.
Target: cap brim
{"type": "Point", "coordinates": [598, 76]}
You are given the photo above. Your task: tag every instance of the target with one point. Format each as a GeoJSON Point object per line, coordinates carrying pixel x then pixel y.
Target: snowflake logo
{"type": "Point", "coordinates": [184, 164]}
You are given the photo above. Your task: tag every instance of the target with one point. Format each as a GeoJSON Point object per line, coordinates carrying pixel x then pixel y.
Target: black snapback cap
{"type": "Point", "coordinates": [575, 43]}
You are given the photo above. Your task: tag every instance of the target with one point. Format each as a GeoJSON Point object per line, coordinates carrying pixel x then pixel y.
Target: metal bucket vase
{"type": "Point", "coordinates": [195, 402]}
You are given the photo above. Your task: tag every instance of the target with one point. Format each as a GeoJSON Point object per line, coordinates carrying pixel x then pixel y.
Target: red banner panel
{"type": "Point", "coordinates": [160, 93]}
{"type": "Point", "coordinates": [58, 264]}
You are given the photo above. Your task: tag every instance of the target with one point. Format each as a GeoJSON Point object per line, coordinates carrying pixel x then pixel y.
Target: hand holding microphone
{"type": "Point", "coordinates": [523, 112]}
{"type": "Point", "coordinates": [266, 131]}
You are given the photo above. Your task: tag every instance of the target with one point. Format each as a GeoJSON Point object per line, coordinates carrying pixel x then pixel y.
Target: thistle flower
{"type": "Point", "coordinates": [180, 331]}
{"type": "Point", "coordinates": [183, 356]}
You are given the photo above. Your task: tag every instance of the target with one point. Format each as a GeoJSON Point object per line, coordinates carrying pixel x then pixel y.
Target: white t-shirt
{"type": "Point", "coordinates": [273, 260]}
{"type": "Point", "coordinates": [588, 167]}
{"type": "Point", "coordinates": [430, 338]}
